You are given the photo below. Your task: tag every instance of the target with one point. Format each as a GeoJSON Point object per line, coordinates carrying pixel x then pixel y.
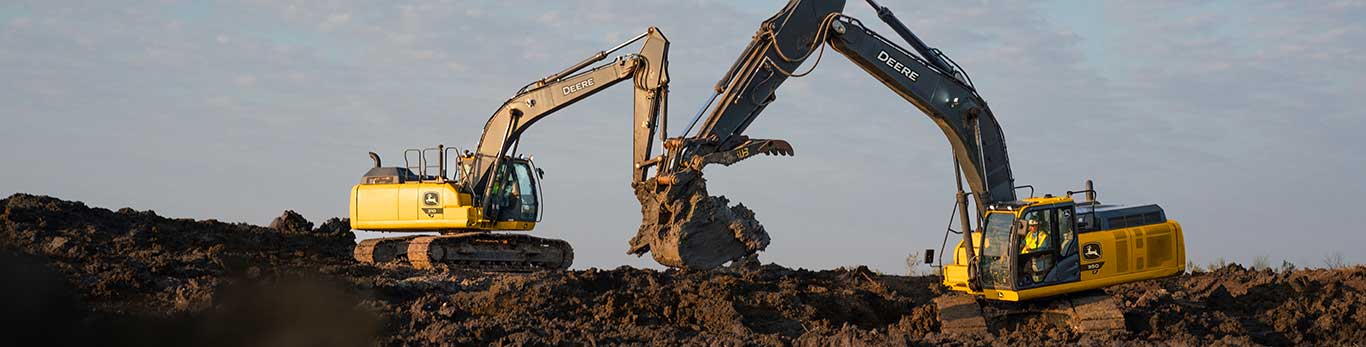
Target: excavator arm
{"type": "Point", "coordinates": [648, 69]}
{"type": "Point", "coordinates": [930, 81]}
{"type": "Point", "coordinates": [746, 89]}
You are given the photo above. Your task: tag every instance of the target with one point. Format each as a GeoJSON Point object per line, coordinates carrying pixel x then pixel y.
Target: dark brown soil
{"type": "Point", "coordinates": [80, 276]}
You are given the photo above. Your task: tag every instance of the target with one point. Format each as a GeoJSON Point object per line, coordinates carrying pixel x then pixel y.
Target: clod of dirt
{"type": "Point", "coordinates": [336, 228]}
{"type": "Point", "coordinates": [291, 222]}
{"type": "Point", "coordinates": [683, 227]}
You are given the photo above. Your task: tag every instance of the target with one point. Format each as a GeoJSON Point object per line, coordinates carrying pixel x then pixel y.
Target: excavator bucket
{"type": "Point", "coordinates": [683, 227]}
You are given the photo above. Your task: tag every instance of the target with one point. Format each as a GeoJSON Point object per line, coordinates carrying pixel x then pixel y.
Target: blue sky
{"type": "Point", "coordinates": [1242, 119]}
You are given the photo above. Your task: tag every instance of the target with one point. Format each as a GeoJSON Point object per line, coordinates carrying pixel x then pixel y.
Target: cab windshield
{"type": "Point", "coordinates": [994, 260]}
{"type": "Point", "coordinates": [515, 196]}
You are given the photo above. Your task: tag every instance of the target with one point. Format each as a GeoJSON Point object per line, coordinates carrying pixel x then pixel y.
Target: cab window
{"type": "Point", "coordinates": [1067, 235]}
{"type": "Point", "coordinates": [997, 252]}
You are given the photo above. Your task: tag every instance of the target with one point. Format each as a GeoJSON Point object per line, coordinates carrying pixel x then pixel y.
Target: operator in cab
{"type": "Point", "coordinates": [1033, 246]}
{"type": "Point", "coordinates": [1035, 239]}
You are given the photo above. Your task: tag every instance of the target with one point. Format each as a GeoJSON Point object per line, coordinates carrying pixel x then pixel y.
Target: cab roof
{"type": "Point", "coordinates": [1047, 200]}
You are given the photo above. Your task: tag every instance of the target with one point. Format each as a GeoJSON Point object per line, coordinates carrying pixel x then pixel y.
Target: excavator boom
{"type": "Point", "coordinates": [971, 128]}
{"type": "Point", "coordinates": [941, 91]}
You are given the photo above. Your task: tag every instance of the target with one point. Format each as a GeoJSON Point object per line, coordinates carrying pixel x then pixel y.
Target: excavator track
{"type": "Point", "coordinates": [1088, 312]}
{"type": "Point", "coordinates": [382, 250]}
{"type": "Point", "coordinates": [484, 251]}
{"type": "Point", "coordinates": [960, 314]}
{"type": "Point", "coordinates": [1096, 312]}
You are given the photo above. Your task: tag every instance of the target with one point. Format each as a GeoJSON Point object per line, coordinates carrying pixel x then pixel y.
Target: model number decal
{"type": "Point", "coordinates": [1093, 267]}
{"type": "Point", "coordinates": [578, 86]}
{"type": "Point", "coordinates": [882, 56]}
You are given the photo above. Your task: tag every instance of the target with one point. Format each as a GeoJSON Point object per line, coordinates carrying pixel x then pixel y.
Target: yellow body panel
{"type": "Point", "coordinates": [1123, 255]}
{"type": "Point", "coordinates": [420, 206]}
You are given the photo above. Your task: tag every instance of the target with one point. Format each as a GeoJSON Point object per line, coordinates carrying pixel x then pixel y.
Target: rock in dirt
{"type": "Point", "coordinates": [291, 222]}
{"type": "Point", "coordinates": [684, 227]}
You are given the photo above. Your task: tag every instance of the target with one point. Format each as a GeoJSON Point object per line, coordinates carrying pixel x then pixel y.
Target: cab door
{"type": "Point", "coordinates": [996, 251]}
{"type": "Point", "coordinates": [516, 194]}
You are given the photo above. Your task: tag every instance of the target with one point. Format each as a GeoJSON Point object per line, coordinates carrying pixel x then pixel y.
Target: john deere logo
{"type": "Point", "coordinates": [431, 199]}
{"type": "Point", "coordinates": [1091, 251]}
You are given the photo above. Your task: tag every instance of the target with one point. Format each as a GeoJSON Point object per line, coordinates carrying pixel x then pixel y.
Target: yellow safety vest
{"type": "Point", "coordinates": [1034, 240]}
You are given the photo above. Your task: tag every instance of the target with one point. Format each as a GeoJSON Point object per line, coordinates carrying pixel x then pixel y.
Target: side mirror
{"type": "Point", "coordinates": [929, 256]}
{"type": "Point", "coordinates": [540, 173]}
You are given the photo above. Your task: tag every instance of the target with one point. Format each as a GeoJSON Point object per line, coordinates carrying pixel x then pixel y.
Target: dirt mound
{"type": "Point", "coordinates": [1306, 307]}
{"type": "Point", "coordinates": [134, 278]}
{"type": "Point", "coordinates": [87, 276]}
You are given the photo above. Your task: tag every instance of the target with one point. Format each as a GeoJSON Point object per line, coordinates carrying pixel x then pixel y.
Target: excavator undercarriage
{"type": "Point", "coordinates": [478, 250]}
{"type": "Point", "coordinates": [1090, 312]}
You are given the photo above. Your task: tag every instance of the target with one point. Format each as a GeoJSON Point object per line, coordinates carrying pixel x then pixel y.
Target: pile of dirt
{"type": "Point", "coordinates": [88, 276]}
{"type": "Point", "coordinates": [135, 278]}
{"type": "Point", "coordinates": [684, 227]}
{"type": "Point", "coordinates": [1305, 307]}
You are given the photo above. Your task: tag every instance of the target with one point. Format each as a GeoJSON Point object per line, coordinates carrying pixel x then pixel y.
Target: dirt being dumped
{"type": "Point", "coordinates": [77, 275]}
{"type": "Point", "coordinates": [684, 227]}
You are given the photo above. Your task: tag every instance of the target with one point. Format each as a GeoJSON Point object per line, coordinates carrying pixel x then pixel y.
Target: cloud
{"type": "Point", "coordinates": [334, 21]}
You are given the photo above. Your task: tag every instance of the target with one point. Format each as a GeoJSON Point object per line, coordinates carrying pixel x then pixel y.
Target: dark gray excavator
{"type": "Point", "coordinates": [1022, 250]}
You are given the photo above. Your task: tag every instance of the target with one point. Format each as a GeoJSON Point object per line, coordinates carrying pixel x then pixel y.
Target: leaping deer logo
{"type": "Point", "coordinates": [431, 199]}
{"type": "Point", "coordinates": [1091, 251]}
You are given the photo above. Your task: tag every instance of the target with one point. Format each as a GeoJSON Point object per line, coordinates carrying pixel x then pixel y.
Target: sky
{"type": "Point", "coordinates": [1242, 119]}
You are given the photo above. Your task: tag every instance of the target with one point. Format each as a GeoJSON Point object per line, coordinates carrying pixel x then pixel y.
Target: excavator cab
{"type": "Point", "coordinates": [1033, 247]}
{"type": "Point", "coordinates": [1047, 246]}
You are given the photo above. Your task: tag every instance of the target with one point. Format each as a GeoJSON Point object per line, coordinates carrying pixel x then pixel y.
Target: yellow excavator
{"type": "Point", "coordinates": [494, 190]}
{"type": "Point", "coordinates": [1047, 254]}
